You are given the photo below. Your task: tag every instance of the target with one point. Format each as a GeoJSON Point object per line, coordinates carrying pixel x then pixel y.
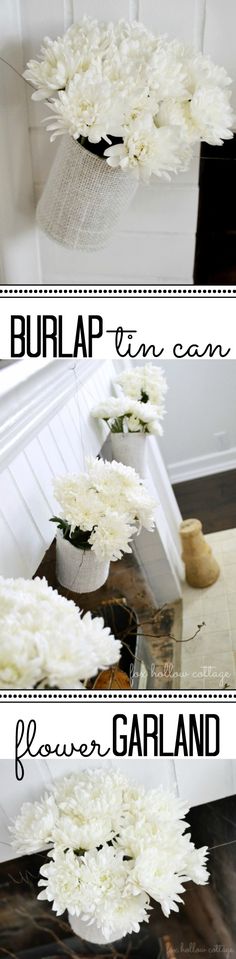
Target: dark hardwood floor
{"type": "Point", "coordinates": [212, 499]}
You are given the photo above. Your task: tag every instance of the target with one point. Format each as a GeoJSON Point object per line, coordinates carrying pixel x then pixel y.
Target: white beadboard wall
{"type": "Point", "coordinates": [156, 238]}
{"type": "Point", "coordinates": [45, 430]}
{"type": "Point", "coordinates": [195, 780]}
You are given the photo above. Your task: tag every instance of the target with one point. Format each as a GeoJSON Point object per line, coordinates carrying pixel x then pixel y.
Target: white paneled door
{"type": "Point", "coordinates": [156, 238]}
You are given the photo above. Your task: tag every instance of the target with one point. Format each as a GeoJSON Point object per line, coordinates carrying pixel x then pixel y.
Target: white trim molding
{"type": "Point", "coordinates": [30, 393]}
{"type": "Point", "coordinates": [199, 466]}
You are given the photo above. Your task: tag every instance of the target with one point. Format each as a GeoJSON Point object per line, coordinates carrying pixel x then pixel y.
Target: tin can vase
{"type": "Point", "coordinates": [90, 933]}
{"type": "Point", "coordinates": [83, 198]}
{"type": "Point", "coordinates": [79, 570]}
{"type": "Point", "coordinates": [131, 449]}
{"type": "Point", "coordinates": [201, 567]}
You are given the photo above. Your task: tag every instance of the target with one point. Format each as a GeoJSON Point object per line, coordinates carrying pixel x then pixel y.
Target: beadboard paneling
{"type": "Point", "coordinates": [175, 17]}
{"type": "Point", "coordinates": [60, 444]}
{"type": "Point", "coordinates": [219, 39]}
{"type": "Point", "coordinates": [102, 9]}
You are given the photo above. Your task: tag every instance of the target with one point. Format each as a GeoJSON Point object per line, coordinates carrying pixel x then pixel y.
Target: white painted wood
{"type": "Point", "coordinates": [199, 24]}
{"type": "Point", "coordinates": [18, 238]}
{"type": "Point", "coordinates": [207, 465]}
{"type": "Point", "coordinates": [174, 17]}
{"type": "Point", "coordinates": [134, 258]}
{"type": "Point", "coordinates": [219, 39]}
{"type": "Point", "coordinates": [206, 444]}
{"type": "Point", "coordinates": [196, 781]}
{"type": "Point", "coordinates": [101, 9]}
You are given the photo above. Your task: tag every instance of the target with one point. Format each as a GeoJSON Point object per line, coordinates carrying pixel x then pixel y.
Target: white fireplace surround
{"type": "Point", "coordinates": [45, 430]}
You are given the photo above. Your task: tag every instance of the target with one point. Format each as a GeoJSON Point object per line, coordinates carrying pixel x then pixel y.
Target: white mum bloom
{"type": "Point", "coordinates": [147, 815]}
{"type": "Point", "coordinates": [111, 408]}
{"type": "Point", "coordinates": [61, 881]}
{"type": "Point", "coordinates": [104, 896]}
{"type": "Point", "coordinates": [120, 80]}
{"type": "Point", "coordinates": [148, 149]}
{"type": "Point", "coordinates": [146, 383]}
{"type": "Point", "coordinates": [114, 846]}
{"type": "Point", "coordinates": [162, 869]}
{"type": "Point", "coordinates": [125, 414]}
{"type": "Point", "coordinates": [111, 536]}
{"type": "Point", "coordinates": [33, 829]}
{"type": "Point", "coordinates": [45, 640]}
{"type": "Point", "coordinates": [133, 424]}
{"type": "Point", "coordinates": [54, 71]}
{"type": "Point", "coordinates": [82, 811]}
{"type": "Point", "coordinates": [201, 71]}
{"type": "Point", "coordinates": [109, 501]}
{"type": "Point", "coordinates": [84, 109]}
{"type": "Point", "coordinates": [211, 114]}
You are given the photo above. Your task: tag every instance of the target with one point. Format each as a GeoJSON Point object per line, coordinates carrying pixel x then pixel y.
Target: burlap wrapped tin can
{"type": "Point", "coordinates": [83, 198]}
{"type": "Point", "coordinates": [130, 449]}
{"type": "Point", "coordinates": [79, 570]}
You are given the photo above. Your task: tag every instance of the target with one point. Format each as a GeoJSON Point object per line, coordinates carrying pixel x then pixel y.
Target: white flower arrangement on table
{"type": "Point", "coordinates": [103, 508]}
{"type": "Point", "coordinates": [45, 641]}
{"type": "Point", "coordinates": [114, 845]}
{"type": "Point", "coordinates": [141, 407]}
{"type": "Point", "coordinates": [118, 81]}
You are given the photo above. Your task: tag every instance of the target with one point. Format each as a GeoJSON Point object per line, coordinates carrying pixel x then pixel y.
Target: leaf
{"type": "Point", "coordinates": [113, 678]}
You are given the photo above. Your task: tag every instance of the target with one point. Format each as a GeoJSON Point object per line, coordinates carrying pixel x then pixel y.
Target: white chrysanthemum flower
{"type": "Point", "coordinates": [84, 109]}
{"type": "Point", "coordinates": [154, 872]}
{"type": "Point", "coordinates": [110, 409]}
{"type": "Point", "coordinates": [82, 811]}
{"type": "Point", "coordinates": [162, 870]}
{"type": "Point", "coordinates": [111, 537]}
{"type": "Point", "coordinates": [201, 71]}
{"type": "Point", "coordinates": [211, 114]}
{"type": "Point", "coordinates": [196, 864]}
{"type": "Point", "coordinates": [148, 149]}
{"type": "Point", "coordinates": [109, 502]}
{"type": "Point", "coordinates": [133, 424]}
{"type": "Point", "coordinates": [115, 845]}
{"type": "Point", "coordinates": [45, 640]}
{"type": "Point", "coordinates": [124, 415]}
{"type": "Point", "coordinates": [61, 881]}
{"type": "Point", "coordinates": [116, 79]}
{"type": "Point", "coordinates": [55, 70]}
{"type": "Point", "coordinates": [104, 896]}
{"type": "Point", "coordinates": [146, 383]}
{"type": "Point", "coordinates": [147, 815]}
{"type": "Point", "coordinates": [33, 829]}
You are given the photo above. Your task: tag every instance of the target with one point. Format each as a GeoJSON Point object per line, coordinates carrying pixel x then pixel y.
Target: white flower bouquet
{"type": "Point", "coordinates": [135, 414]}
{"type": "Point", "coordinates": [113, 847]}
{"type": "Point", "coordinates": [141, 406]}
{"type": "Point", "coordinates": [45, 641]}
{"type": "Point", "coordinates": [101, 510]}
{"type": "Point", "coordinates": [129, 103]}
